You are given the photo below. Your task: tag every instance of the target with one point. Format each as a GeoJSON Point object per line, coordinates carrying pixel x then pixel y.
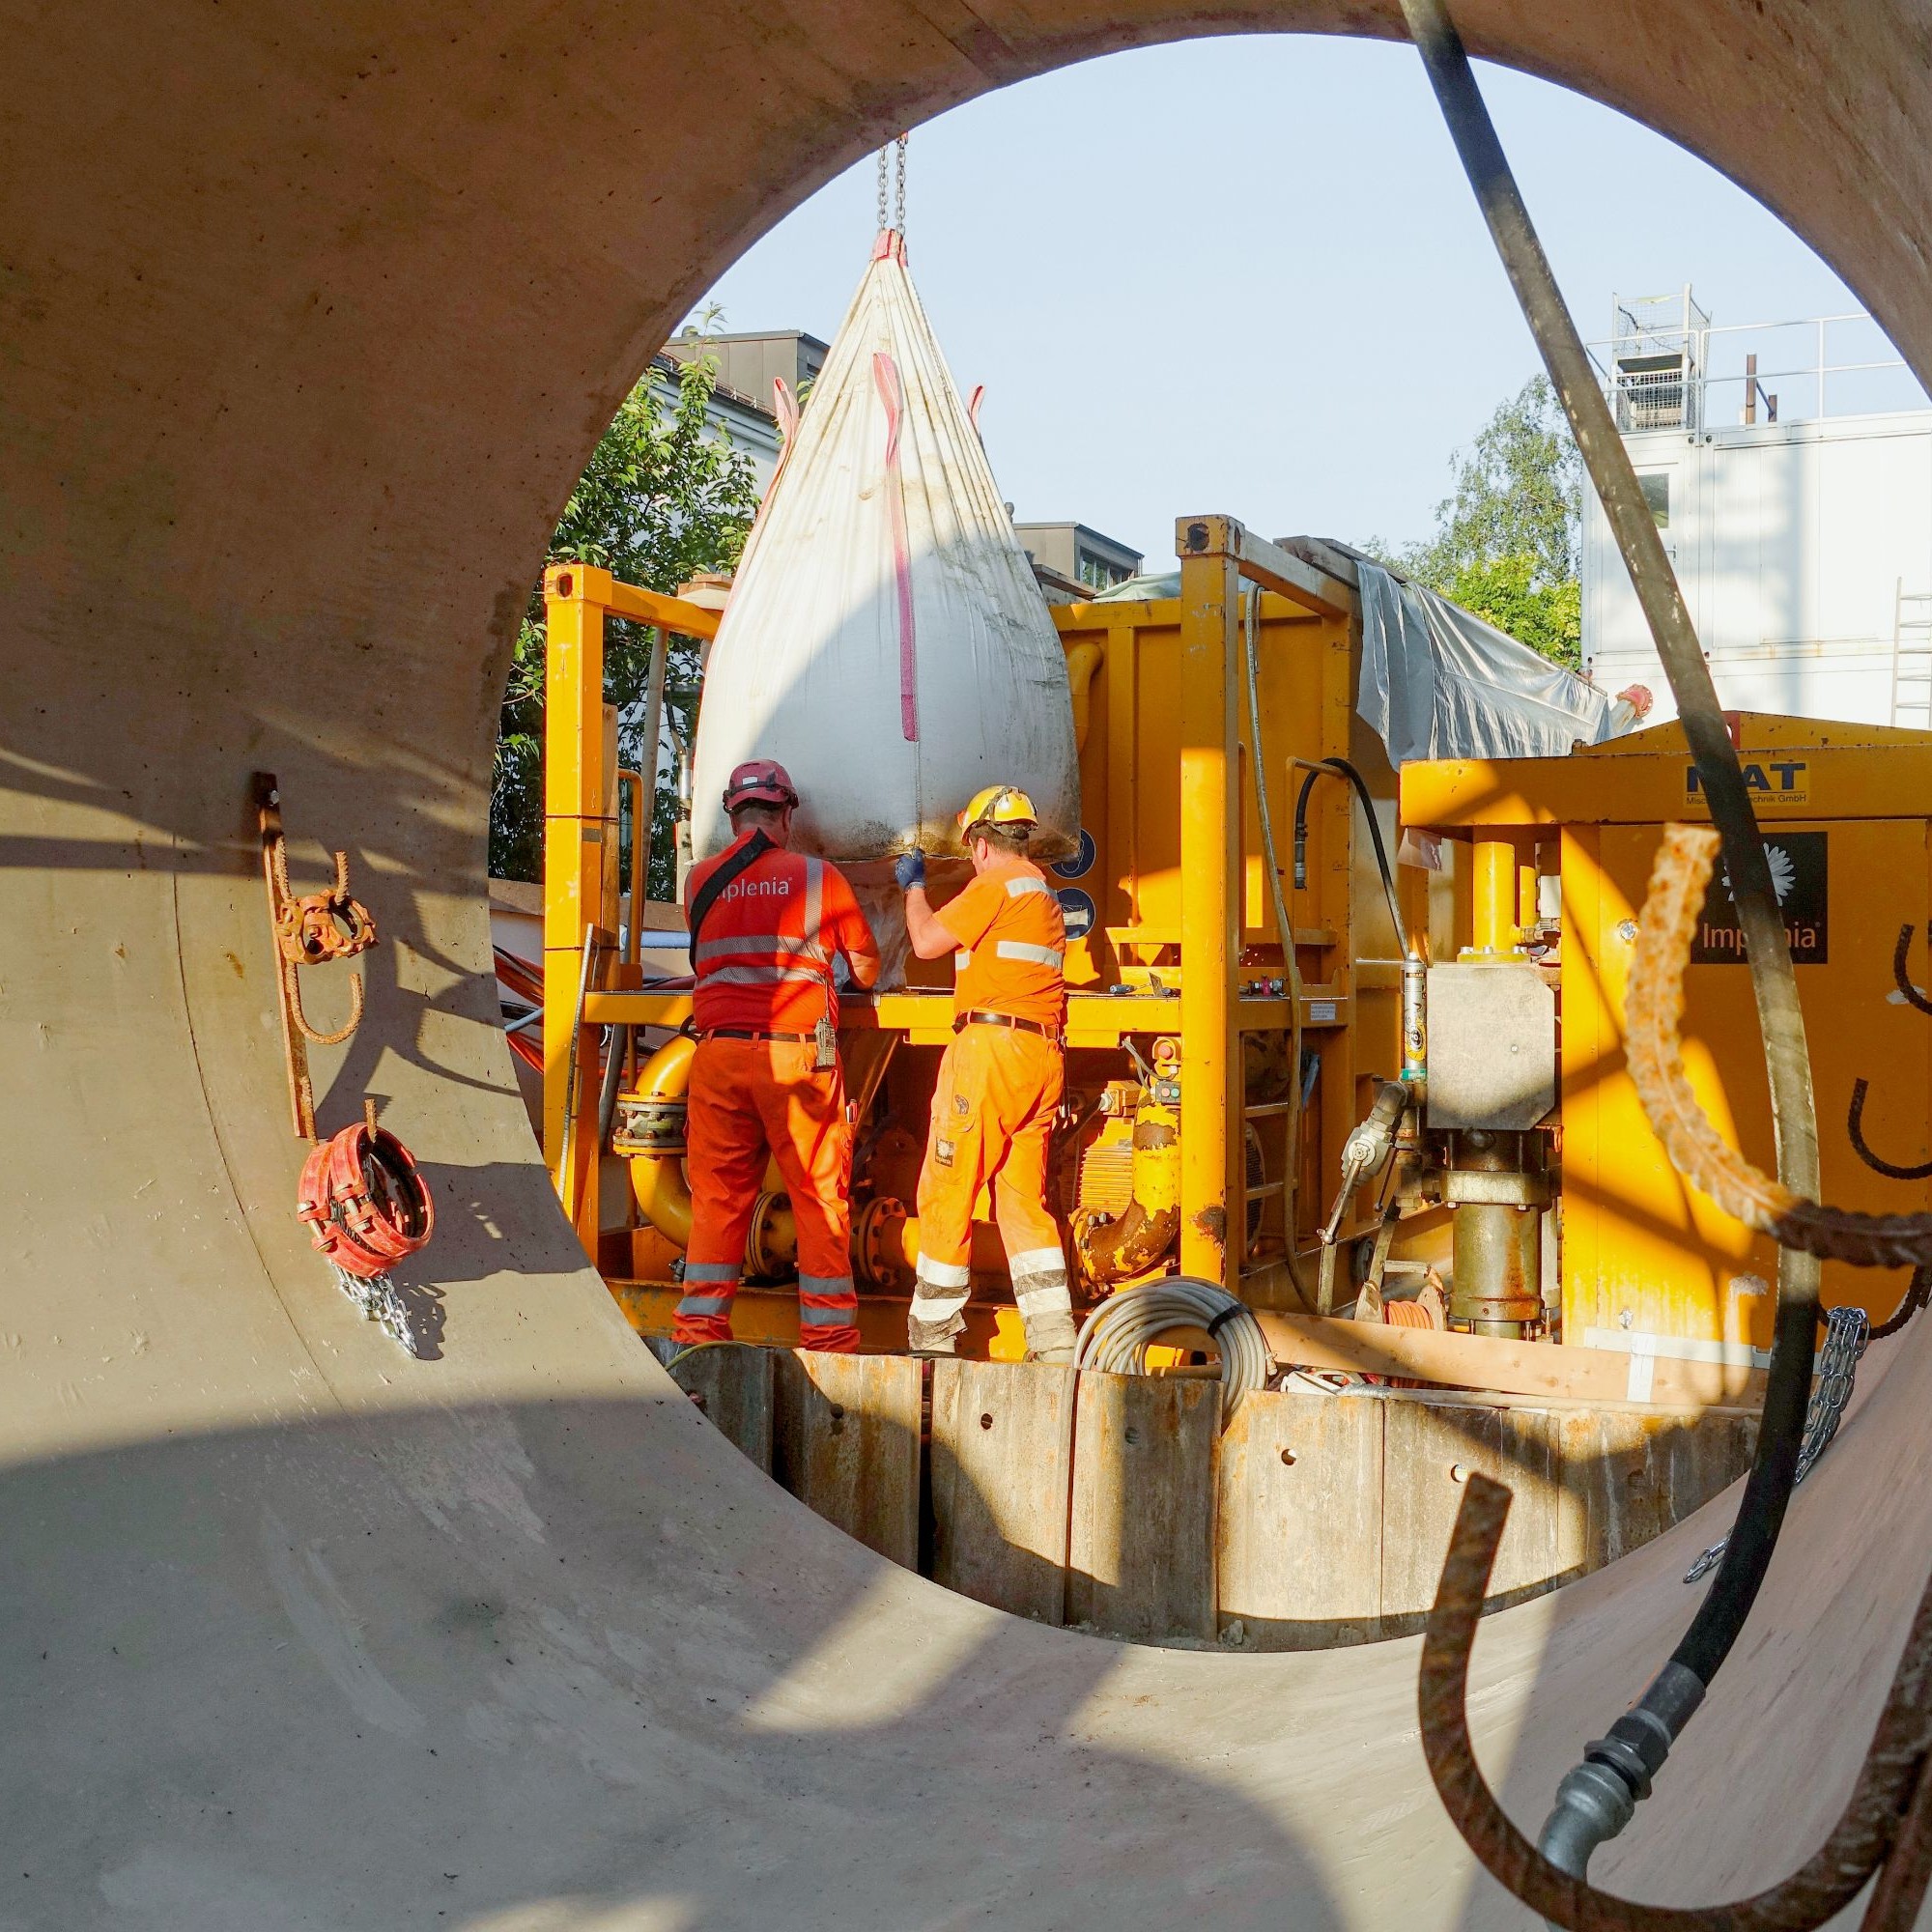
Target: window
{"type": "Point", "coordinates": [1656, 487]}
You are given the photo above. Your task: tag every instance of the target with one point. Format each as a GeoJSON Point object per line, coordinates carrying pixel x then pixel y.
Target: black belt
{"type": "Point", "coordinates": [1012, 1021]}
{"type": "Point", "coordinates": [743, 1033]}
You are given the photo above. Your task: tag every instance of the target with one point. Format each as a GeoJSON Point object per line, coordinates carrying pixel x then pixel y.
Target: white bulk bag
{"type": "Point", "coordinates": [885, 639]}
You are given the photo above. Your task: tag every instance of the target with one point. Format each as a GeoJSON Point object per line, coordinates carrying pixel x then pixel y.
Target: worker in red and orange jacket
{"type": "Point", "coordinates": [766, 924]}
{"type": "Point", "coordinates": [1000, 1082]}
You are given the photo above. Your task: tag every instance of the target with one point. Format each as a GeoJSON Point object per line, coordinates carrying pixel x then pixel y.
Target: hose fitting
{"type": "Point", "coordinates": [1600, 1797]}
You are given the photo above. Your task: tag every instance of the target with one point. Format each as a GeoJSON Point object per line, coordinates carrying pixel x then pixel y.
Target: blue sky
{"type": "Point", "coordinates": [1247, 275]}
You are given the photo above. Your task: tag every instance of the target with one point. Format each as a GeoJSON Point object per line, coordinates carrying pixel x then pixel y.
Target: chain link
{"type": "Point", "coordinates": [1846, 1333]}
{"type": "Point", "coordinates": [897, 206]}
{"type": "Point", "coordinates": [382, 1301]}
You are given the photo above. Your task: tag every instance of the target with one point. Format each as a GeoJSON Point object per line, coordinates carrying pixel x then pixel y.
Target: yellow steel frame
{"type": "Point", "coordinates": [579, 827]}
{"type": "Point", "coordinates": [1220, 880]}
{"type": "Point", "coordinates": [1217, 556]}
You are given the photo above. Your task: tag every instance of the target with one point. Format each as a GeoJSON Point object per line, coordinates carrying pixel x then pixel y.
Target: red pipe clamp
{"type": "Point", "coordinates": [364, 1201]}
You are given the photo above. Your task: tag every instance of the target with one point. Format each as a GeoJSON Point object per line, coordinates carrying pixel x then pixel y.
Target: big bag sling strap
{"type": "Point", "coordinates": [712, 890]}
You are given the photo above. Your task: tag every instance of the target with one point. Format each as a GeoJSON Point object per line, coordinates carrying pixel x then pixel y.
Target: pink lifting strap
{"type": "Point", "coordinates": [886, 376]}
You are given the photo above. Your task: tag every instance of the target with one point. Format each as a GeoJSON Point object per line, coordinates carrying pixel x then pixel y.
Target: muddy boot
{"type": "Point", "coordinates": [1046, 1310]}
{"type": "Point", "coordinates": [933, 1338]}
{"type": "Point", "coordinates": [938, 1304]}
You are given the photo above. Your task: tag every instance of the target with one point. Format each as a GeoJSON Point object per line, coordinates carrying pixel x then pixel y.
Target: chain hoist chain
{"type": "Point", "coordinates": [382, 1301]}
{"type": "Point", "coordinates": [1846, 1332]}
{"type": "Point", "coordinates": [897, 206]}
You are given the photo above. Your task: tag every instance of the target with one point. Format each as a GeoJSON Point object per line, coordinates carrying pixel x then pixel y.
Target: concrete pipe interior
{"type": "Point", "coordinates": [310, 318]}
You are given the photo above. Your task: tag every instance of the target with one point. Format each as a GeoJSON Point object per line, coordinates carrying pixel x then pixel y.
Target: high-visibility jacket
{"type": "Point", "coordinates": [764, 958]}
{"type": "Point", "coordinates": [1012, 945]}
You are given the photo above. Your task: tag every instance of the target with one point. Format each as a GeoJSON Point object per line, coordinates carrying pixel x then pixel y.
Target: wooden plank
{"type": "Point", "coordinates": [1143, 1555]}
{"type": "Point", "coordinates": [733, 1385]}
{"type": "Point", "coordinates": [1002, 1435]}
{"type": "Point", "coordinates": [1430, 1449]}
{"type": "Point", "coordinates": [1515, 1368]}
{"type": "Point", "coordinates": [846, 1443]}
{"type": "Point", "coordinates": [1299, 1522]}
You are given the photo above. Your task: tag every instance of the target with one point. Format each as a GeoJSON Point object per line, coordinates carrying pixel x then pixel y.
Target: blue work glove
{"type": "Point", "coordinates": [910, 871]}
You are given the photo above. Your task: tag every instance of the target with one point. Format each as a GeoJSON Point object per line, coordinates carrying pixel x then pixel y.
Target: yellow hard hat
{"type": "Point", "coordinates": [997, 805]}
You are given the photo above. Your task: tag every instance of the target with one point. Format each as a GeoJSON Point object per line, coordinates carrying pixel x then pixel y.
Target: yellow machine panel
{"type": "Point", "coordinates": [1642, 1252]}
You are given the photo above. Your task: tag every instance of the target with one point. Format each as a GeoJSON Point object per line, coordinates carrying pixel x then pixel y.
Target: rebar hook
{"type": "Point", "coordinates": [1884, 1815]}
{"type": "Point", "coordinates": [1854, 1126]}
{"type": "Point", "coordinates": [1900, 952]}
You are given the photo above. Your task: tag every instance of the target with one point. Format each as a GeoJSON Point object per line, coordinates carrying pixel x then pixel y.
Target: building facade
{"type": "Point", "coordinates": [1789, 469]}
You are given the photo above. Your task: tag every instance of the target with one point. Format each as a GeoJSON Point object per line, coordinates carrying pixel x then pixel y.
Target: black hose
{"type": "Point", "coordinates": [1780, 1019]}
{"type": "Point", "coordinates": [1343, 769]}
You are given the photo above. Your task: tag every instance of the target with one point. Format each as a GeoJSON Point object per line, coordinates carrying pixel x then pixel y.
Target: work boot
{"type": "Point", "coordinates": [934, 1338]}
{"type": "Point", "coordinates": [1050, 1337]}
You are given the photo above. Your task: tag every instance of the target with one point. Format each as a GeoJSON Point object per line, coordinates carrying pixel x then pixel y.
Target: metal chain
{"type": "Point", "coordinates": [1846, 1333]}
{"type": "Point", "coordinates": [897, 210]}
{"type": "Point", "coordinates": [382, 1301]}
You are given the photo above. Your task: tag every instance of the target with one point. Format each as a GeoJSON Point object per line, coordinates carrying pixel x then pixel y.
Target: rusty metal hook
{"type": "Point", "coordinates": [1887, 1794]}
{"type": "Point", "coordinates": [1855, 1128]}
{"type": "Point", "coordinates": [1900, 954]}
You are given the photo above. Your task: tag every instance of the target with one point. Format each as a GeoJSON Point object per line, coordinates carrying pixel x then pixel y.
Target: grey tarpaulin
{"type": "Point", "coordinates": [1438, 683]}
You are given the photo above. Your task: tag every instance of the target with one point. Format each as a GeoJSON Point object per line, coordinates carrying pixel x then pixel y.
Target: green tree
{"type": "Point", "coordinates": [1507, 539]}
{"type": "Point", "coordinates": [665, 497]}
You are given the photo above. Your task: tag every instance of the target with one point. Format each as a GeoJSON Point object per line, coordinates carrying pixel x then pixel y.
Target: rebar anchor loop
{"type": "Point", "coordinates": [1884, 1820]}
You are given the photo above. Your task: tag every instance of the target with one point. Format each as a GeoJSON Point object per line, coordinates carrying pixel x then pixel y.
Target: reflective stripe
{"type": "Point", "coordinates": [758, 942]}
{"type": "Point", "coordinates": [705, 1305]}
{"type": "Point", "coordinates": [936, 1307]}
{"type": "Point", "coordinates": [840, 1317]}
{"type": "Point", "coordinates": [814, 888]}
{"type": "Point", "coordinates": [965, 959]}
{"type": "Point", "coordinates": [711, 1271]}
{"type": "Point", "coordinates": [1037, 1261]}
{"type": "Point", "coordinates": [1047, 1300]}
{"type": "Point", "coordinates": [831, 1287]}
{"type": "Point", "coordinates": [761, 976]}
{"type": "Point", "coordinates": [1020, 887]}
{"type": "Point", "coordinates": [1033, 956]}
{"type": "Point", "coordinates": [957, 1274]}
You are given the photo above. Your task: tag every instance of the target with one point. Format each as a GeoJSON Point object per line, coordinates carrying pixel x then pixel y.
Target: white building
{"type": "Point", "coordinates": [1789, 467]}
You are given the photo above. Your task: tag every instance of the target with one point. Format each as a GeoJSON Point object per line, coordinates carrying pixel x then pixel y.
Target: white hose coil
{"type": "Point", "coordinates": [1115, 1336]}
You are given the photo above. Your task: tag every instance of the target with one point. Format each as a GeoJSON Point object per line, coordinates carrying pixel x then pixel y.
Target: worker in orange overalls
{"type": "Point", "coordinates": [1000, 1082]}
{"type": "Point", "coordinates": [766, 924]}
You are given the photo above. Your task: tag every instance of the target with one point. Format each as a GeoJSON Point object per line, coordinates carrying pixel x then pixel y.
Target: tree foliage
{"type": "Point", "coordinates": [664, 498]}
{"type": "Point", "coordinates": [1506, 541]}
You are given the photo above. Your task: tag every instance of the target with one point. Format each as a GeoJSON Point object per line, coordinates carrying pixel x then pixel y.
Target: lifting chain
{"type": "Point", "coordinates": [1847, 1330]}
{"type": "Point", "coordinates": [897, 212]}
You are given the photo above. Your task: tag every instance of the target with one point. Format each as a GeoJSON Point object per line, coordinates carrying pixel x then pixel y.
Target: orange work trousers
{"type": "Point", "coordinates": [749, 1098]}
{"type": "Point", "coordinates": [992, 1121]}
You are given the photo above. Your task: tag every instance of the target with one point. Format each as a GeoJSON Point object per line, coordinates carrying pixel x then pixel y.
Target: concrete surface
{"type": "Point", "coordinates": [309, 315]}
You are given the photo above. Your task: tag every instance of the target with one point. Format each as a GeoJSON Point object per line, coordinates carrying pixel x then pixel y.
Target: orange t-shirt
{"type": "Point", "coordinates": [1012, 945]}
{"type": "Point", "coordinates": [764, 958]}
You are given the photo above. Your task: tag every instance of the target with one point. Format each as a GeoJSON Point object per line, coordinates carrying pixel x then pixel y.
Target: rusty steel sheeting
{"type": "Point", "coordinates": [1883, 1809]}
{"type": "Point", "coordinates": [1654, 1016]}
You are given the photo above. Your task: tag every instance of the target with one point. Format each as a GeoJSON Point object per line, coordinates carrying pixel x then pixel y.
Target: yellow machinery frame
{"type": "Point", "coordinates": [1222, 902]}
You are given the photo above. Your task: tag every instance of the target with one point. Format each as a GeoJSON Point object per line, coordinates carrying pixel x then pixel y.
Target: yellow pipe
{"type": "Point", "coordinates": [657, 1179]}
{"type": "Point", "coordinates": [1083, 660]}
{"type": "Point", "coordinates": [1494, 894]}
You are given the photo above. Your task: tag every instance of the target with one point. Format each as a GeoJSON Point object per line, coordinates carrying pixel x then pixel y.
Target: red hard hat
{"type": "Point", "coordinates": [759, 782]}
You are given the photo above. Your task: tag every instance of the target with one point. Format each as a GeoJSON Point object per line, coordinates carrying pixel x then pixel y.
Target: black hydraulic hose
{"type": "Point", "coordinates": [1343, 769]}
{"type": "Point", "coordinates": [1671, 1699]}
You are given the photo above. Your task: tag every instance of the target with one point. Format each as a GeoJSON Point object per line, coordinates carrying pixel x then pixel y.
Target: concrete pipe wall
{"type": "Point", "coordinates": [309, 317]}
